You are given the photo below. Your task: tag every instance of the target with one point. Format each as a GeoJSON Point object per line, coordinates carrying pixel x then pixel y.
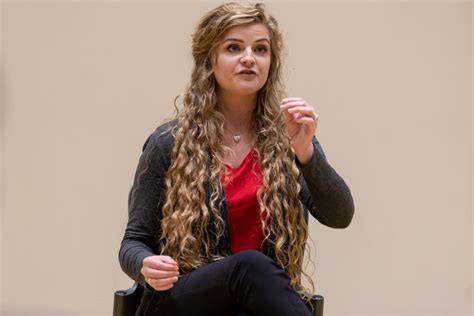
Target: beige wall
{"type": "Point", "coordinates": [2, 124]}
{"type": "Point", "coordinates": [87, 81]}
{"type": "Point", "coordinates": [472, 156]}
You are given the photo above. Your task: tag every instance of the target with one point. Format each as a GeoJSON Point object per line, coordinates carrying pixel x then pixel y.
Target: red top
{"type": "Point", "coordinates": [243, 209]}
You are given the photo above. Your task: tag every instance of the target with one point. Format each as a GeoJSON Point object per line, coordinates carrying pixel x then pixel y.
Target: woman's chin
{"type": "Point", "coordinates": [247, 90]}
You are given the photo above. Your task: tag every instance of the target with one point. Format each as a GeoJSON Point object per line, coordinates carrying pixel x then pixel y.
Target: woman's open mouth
{"type": "Point", "coordinates": [247, 73]}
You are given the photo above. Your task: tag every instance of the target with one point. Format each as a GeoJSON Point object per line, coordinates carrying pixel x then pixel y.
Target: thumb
{"type": "Point", "coordinates": [170, 260]}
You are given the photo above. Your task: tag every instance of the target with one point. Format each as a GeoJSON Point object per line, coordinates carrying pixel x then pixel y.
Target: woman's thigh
{"type": "Point", "coordinates": [244, 284]}
{"type": "Point", "coordinates": [203, 291]}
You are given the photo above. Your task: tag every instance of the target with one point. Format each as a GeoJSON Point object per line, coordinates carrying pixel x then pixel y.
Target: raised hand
{"type": "Point", "coordinates": [301, 122]}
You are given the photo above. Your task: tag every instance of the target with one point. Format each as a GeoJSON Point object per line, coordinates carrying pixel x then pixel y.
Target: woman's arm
{"type": "Point", "coordinates": [145, 202]}
{"type": "Point", "coordinates": [324, 192]}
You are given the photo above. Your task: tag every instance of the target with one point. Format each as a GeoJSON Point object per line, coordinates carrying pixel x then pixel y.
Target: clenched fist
{"type": "Point", "coordinates": [160, 272]}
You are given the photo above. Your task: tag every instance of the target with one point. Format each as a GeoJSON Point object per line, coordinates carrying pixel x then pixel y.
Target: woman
{"type": "Point", "coordinates": [219, 205]}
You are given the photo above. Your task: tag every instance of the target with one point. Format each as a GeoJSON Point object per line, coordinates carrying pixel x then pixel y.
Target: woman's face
{"type": "Point", "coordinates": [243, 60]}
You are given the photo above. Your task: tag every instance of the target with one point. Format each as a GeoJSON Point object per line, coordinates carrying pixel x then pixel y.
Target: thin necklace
{"type": "Point", "coordinates": [236, 137]}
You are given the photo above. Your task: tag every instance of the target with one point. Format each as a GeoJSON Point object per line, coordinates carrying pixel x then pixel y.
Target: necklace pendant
{"type": "Point", "coordinates": [236, 138]}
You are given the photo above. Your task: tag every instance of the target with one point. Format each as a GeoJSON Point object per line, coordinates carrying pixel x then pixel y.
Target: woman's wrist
{"type": "Point", "coordinates": [304, 156]}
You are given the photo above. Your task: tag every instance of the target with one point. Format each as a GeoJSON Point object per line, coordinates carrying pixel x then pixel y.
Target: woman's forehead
{"type": "Point", "coordinates": [254, 32]}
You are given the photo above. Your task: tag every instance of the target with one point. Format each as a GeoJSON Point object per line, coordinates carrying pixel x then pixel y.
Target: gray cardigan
{"type": "Point", "coordinates": [323, 193]}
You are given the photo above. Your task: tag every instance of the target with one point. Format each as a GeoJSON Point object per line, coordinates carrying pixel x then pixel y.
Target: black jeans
{"type": "Point", "coordinates": [248, 283]}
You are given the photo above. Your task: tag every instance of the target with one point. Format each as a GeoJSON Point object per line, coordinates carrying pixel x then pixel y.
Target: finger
{"type": "Point", "coordinates": [159, 286]}
{"type": "Point", "coordinates": [168, 259]}
{"type": "Point", "coordinates": [305, 120]}
{"type": "Point", "coordinates": [299, 112]}
{"type": "Point", "coordinates": [305, 110]}
{"type": "Point", "coordinates": [288, 116]}
{"type": "Point", "coordinates": [162, 282]}
{"type": "Point", "coordinates": [159, 274]}
{"type": "Point", "coordinates": [297, 116]}
{"type": "Point", "coordinates": [168, 266]}
{"type": "Point", "coordinates": [285, 100]}
{"type": "Point", "coordinates": [291, 104]}
{"type": "Point", "coordinates": [156, 263]}
{"type": "Point", "coordinates": [286, 109]}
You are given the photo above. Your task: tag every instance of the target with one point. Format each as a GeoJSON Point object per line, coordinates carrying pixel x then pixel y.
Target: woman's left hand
{"type": "Point", "coordinates": [301, 122]}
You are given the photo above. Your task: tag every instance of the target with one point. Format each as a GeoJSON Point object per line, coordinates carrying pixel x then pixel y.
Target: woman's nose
{"type": "Point", "coordinates": [248, 57]}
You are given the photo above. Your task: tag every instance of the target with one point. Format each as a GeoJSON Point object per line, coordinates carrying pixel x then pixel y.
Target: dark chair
{"type": "Point", "coordinates": [126, 302]}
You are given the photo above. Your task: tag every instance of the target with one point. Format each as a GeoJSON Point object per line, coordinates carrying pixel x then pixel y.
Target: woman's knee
{"type": "Point", "coordinates": [252, 259]}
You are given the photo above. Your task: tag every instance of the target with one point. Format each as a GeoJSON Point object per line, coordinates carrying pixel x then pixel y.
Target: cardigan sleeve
{"type": "Point", "coordinates": [140, 239]}
{"type": "Point", "coordinates": [324, 193]}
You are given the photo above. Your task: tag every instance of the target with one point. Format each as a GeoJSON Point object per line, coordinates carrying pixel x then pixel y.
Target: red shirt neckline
{"type": "Point", "coordinates": [246, 159]}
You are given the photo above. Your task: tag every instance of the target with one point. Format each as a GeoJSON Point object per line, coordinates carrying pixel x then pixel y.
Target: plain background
{"type": "Point", "coordinates": [85, 82]}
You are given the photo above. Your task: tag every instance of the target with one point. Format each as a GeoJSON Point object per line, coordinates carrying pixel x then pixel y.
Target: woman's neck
{"type": "Point", "coordinates": [238, 112]}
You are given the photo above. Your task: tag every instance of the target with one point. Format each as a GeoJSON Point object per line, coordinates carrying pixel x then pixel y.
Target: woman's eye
{"type": "Point", "coordinates": [233, 48]}
{"type": "Point", "coordinates": [261, 49]}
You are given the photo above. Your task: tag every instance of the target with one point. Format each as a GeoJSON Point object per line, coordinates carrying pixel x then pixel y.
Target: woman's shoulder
{"type": "Point", "coordinates": [162, 136]}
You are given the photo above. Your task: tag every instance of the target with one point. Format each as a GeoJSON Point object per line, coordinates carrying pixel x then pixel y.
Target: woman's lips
{"type": "Point", "coordinates": [247, 72]}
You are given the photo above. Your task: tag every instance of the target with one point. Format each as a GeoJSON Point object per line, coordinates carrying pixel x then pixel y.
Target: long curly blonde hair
{"type": "Point", "coordinates": [199, 147]}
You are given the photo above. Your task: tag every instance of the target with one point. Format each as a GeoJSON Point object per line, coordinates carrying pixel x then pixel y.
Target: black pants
{"type": "Point", "coordinates": [248, 283]}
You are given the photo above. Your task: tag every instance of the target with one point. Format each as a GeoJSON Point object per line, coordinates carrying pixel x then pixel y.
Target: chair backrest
{"type": "Point", "coordinates": [126, 301]}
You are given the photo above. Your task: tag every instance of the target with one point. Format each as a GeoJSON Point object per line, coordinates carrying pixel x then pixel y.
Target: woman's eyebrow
{"type": "Point", "coordinates": [239, 40]}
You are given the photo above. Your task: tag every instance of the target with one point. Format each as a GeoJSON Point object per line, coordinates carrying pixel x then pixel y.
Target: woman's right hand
{"type": "Point", "coordinates": [160, 272]}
